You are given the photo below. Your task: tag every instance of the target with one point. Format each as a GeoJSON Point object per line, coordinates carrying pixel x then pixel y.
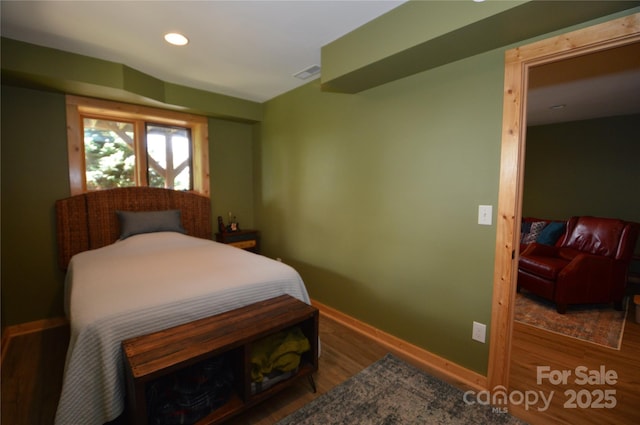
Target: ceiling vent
{"type": "Point", "coordinates": [309, 72]}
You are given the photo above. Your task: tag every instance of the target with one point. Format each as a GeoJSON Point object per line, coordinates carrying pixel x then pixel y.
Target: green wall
{"type": "Point", "coordinates": [231, 160]}
{"type": "Point", "coordinates": [374, 198]}
{"type": "Point", "coordinates": [35, 174]}
{"type": "Point", "coordinates": [583, 168]}
{"type": "Point", "coordinates": [65, 72]}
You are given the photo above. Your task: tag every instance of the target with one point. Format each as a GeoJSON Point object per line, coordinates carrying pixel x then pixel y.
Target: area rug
{"type": "Point", "coordinates": [594, 323]}
{"type": "Point", "coordinates": [391, 392]}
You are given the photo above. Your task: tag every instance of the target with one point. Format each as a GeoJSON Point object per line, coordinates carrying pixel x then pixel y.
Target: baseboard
{"type": "Point", "coordinates": [14, 331]}
{"type": "Point", "coordinates": [419, 357]}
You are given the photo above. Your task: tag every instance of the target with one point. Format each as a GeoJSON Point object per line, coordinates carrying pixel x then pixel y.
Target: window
{"type": "Point", "coordinates": [169, 157]}
{"type": "Point", "coordinates": [118, 145]}
{"type": "Point", "coordinates": [109, 154]}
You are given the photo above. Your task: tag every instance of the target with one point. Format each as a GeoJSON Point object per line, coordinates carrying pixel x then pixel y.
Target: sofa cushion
{"type": "Point", "coordinates": [546, 267]}
{"type": "Point", "coordinates": [551, 233]}
{"type": "Point", "coordinates": [593, 235]}
{"type": "Point", "coordinates": [534, 232]}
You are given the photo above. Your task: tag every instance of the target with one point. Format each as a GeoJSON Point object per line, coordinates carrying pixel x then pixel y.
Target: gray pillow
{"type": "Point", "coordinates": [134, 223]}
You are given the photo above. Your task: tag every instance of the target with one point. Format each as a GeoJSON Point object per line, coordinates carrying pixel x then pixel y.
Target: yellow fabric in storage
{"type": "Point", "coordinates": [278, 352]}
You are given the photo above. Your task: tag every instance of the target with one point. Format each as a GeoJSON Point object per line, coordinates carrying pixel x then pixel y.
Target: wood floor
{"type": "Point", "coordinates": [32, 370]}
{"type": "Point", "coordinates": [532, 348]}
{"type": "Point", "coordinates": [32, 375]}
{"type": "Point", "coordinates": [32, 367]}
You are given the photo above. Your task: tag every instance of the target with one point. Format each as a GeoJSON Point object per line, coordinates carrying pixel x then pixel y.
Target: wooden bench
{"type": "Point", "coordinates": [162, 353]}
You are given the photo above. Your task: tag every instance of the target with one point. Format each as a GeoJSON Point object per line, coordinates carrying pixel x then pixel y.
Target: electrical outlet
{"type": "Point", "coordinates": [479, 332]}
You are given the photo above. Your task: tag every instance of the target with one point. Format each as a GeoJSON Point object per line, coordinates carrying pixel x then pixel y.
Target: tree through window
{"type": "Point", "coordinates": [118, 145]}
{"type": "Point", "coordinates": [109, 154]}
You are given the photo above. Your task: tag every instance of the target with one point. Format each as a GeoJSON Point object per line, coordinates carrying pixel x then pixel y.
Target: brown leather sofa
{"type": "Point", "coordinates": [588, 265]}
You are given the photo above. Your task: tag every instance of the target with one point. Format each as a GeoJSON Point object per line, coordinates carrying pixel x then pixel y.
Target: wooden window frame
{"type": "Point", "coordinates": [77, 107]}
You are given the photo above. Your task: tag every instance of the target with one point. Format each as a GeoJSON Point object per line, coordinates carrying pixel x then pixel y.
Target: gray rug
{"type": "Point", "coordinates": [391, 391]}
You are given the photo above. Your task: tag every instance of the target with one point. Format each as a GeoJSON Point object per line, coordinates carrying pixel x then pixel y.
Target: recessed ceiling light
{"type": "Point", "coordinates": [176, 39]}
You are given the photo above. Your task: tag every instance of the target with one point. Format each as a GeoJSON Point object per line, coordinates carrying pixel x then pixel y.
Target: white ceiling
{"type": "Point", "coordinates": [245, 49]}
{"type": "Point", "coordinates": [592, 85]}
{"type": "Point", "coordinates": [608, 95]}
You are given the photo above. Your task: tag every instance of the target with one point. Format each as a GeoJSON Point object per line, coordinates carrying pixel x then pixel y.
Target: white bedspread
{"type": "Point", "coordinates": [144, 284]}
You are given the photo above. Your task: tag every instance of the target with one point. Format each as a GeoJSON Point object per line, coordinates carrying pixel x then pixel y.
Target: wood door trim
{"type": "Point", "coordinates": [607, 35]}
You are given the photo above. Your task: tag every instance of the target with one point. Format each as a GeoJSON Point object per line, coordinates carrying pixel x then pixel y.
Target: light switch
{"type": "Point", "coordinates": [479, 332]}
{"type": "Point", "coordinates": [484, 214]}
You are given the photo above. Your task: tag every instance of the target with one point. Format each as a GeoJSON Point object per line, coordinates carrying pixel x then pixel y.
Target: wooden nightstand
{"type": "Point", "coordinates": [245, 239]}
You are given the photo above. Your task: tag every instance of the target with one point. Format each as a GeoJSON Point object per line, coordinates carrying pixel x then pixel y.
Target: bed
{"type": "Point", "coordinates": [165, 272]}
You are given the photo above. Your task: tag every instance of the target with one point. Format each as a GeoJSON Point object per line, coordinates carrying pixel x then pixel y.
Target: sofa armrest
{"type": "Point", "coordinates": [586, 277]}
{"type": "Point", "coordinates": [589, 265]}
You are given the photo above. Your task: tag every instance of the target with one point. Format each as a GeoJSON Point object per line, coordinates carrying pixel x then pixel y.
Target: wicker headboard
{"type": "Point", "coordinates": [89, 221]}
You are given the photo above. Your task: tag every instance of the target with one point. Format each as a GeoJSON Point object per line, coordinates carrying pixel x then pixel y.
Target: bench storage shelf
{"type": "Point", "coordinates": [149, 358]}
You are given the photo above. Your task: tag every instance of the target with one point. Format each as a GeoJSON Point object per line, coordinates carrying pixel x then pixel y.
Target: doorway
{"type": "Point", "coordinates": [518, 62]}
